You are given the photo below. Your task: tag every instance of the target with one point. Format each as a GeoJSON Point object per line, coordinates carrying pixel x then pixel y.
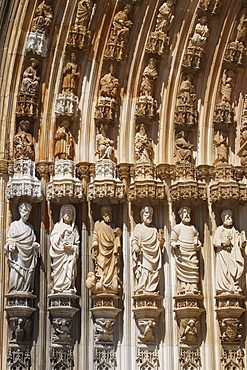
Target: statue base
{"type": "Point", "coordinates": [37, 43]}
{"type": "Point", "coordinates": [105, 110]}
{"type": "Point", "coordinates": [66, 105]}
{"type": "Point", "coordinates": [193, 58]}
{"type": "Point", "coordinates": [146, 106]}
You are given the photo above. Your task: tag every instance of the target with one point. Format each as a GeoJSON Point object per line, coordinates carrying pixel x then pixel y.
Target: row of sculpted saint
{"type": "Point", "coordinates": [22, 251]}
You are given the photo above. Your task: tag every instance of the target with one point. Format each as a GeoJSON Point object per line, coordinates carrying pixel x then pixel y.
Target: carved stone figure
{"type": "Point", "coordinates": [149, 78]}
{"type": "Point", "coordinates": [158, 39]}
{"type": "Point", "coordinates": [230, 329]}
{"type": "Point", "coordinates": [119, 35]}
{"type": "Point", "coordinates": [221, 146]}
{"type": "Point", "coordinates": [186, 244]}
{"type": "Point", "coordinates": [20, 329]}
{"type": "Point", "coordinates": [105, 249]}
{"type": "Point", "coordinates": [143, 145]}
{"type": "Point", "coordinates": [70, 75]}
{"type": "Point", "coordinates": [227, 84]}
{"type": "Point", "coordinates": [242, 27]}
{"type": "Point", "coordinates": [228, 243]}
{"type": "Point", "coordinates": [42, 18]}
{"type": "Point", "coordinates": [109, 84]}
{"type": "Point", "coordinates": [190, 332]}
{"type": "Point", "coordinates": [30, 81]}
{"type": "Point", "coordinates": [104, 145]}
{"type": "Point", "coordinates": [183, 148]}
{"type": "Point", "coordinates": [21, 251]}
{"type": "Point", "coordinates": [197, 44]}
{"type": "Point", "coordinates": [104, 330]}
{"type": "Point", "coordinates": [147, 246]}
{"type": "Point", "coordinates": [23, 142]}
{"type": "Point", "coordinates": [147, 327]}
{"type": "Point", "coordinates": [64, 142]}
{"type": "Point", "coordinates": [64, 251]}
{"type": "Point", "coordinates": [185, 111]}
{"type": "Point", "coordinates": [201, 33]}
{"type": "Point", "coordinates": [79, 34]}
{"type": "Point", "coordinates": [61, 330]}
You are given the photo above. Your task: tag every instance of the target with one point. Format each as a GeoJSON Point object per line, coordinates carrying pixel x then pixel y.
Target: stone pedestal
{"type": "Point", "coordinates": [105, 182]}
{"type": "Point", "coordinates": [224, 114]}
{"type": "Point", "coordinates": [146, 106]}
{"type": "Point", "coordinates": [65, 184]}
{"type": "Point", "coordinates": [78, 37]}
{"type": "Point", "coordinates": [23, 182]}
{"type": "Point", "coordinates": [235, 53]}
{"type": "Point", "coordinates": [158, 43]}
{"type": "Point", "coordinates": [186, 115]}
{"type": "Point", "coordinates": [37, 43]}
{"type": "Point", "coordinates": [66, 105]}
{"type": "Point", "coordinates": [27, 106]}
{"type": "Point", "coordinates": [105, 110]}
{"type": "Point", "coordinates": [193, 58]}
{"type": "Point", "coordinates": [19, 309]}
{"type": "Point", "coordinates": [62, 309]}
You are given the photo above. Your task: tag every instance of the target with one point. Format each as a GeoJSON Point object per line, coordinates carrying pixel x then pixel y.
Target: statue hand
{"type": "Point", "coordinates": [175, 245]}
{"type": "Point", "coordinates": [117, 232]}
{"type": "Point", "coordinates": [76, 249]}
{"type": "Point", "coordinates": [11, 248]}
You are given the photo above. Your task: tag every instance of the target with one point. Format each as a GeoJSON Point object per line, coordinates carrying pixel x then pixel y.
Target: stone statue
{"type": "Point", "coordinates": [183, 148]}
{"type": "Point", "coordinates": [201, 34]}
{"type": "Point", "coordinates": [109, 84]}
{"type": "Point", "coordinates": [186, 244]}
{"type": "Point", "coordinates": [70, 74]}
{"type": "Point", "coordinates": [187, 94]}
{"type": "Point", "coordinates": [221, 146]}
{"type": "Point", "coordinates": [104, 145]}
{"type": "Point", "coordinates": [64, 142]}
{"type": "Point", "coordinates": [147, 246]}
{"type": "Point", "coordinates": [64, 251]}
{"type": "Point", "coordinates": [30, 81]}
{"type": "Point", "coordinates": [106, 249]}
{"type": "Point", "coordinates": [242, 27]}
{"type": "Point", "coordinates": [21, 251]}
{"type": "Point", "coordinates": [104, 330]}
{"type": "Point", "coordinates": [165, 16]}
{"type": "Point", "coordinates": [190, 332]}
{"type": "Point", "coordinates": [23, 142]}
{"type": "Point", "coordinates": [228, 243]}
{"type": "Point", "coordinates": [83, 13]}
{"type": "Point", "coordinates": [227, 83]}
{"type": "Point", "coordinates": [143, 145]}
{"type": "Point", "coordinates": [42, 18]}
{"type": "Point", "coordinates": [149, 78]}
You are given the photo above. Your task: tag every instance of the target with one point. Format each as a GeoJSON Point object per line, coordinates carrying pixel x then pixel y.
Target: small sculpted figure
{"type": "Point", "coordinates": [242, 27]}
{"type": "Point", "coordinates": [147, 246]}
{"type": "Point", "coordinates": [109, 84]}
{"type": "Point", "coordinates": [121, 25]}
{"type": "Point", "coordinates": [20, 329]}
{"type": "Point", "coordinates": [143, 145]}
{"type": "Point", "coordinates": [64, 142]}
{"type": "Point", "coordinates": [165, 16]}
{"type": "Point", "coordinates": [104, 330]}
{"type": "Point", "coordinates": [62, 330]}
{"type": "Point", "coordinates": [30, 81]}
{"type": "Point", "coordinates": [42, 18]}
{"type": "Point", "coordinates": [190, 332]}
{"type": "Point", "coordinates": [201, 34]}
{"type": "Point", "coordinates": [221, 145]}
{"type": "Point", "coordinates": [228, 243]}
{"type": "Point", "coordinates": [64, 251]}
{"type": "Point", "coordinates": [83, 13]}
{"type": "Point", "coordinates": [21, 251]}
{"type": "Point", "coordinates": [227, 84]}
{"type": "Point", "coordinates": [23, 142]}
{"type": "Point", "coordinates": [106, 249]}
{"type": "Point", "coordinates": [70, 75]}
{"type": "Point", "coordinates": [187, 94]}
{"type": "Point", "coordinates": [149, 78]}
{"type": "Point", "coordinates": [148, 328]}
{"type": "Point", "coordinates": [186, 244]}
{"type": "Point", "coordinates": [183, 148]}
{"type": "Point", "coordinates": [104, 145]}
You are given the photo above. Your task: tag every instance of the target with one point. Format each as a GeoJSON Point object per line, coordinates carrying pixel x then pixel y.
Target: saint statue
{"type": "Point", "coordinates": [143, 145]}
{"type": "Point", "coordinates": [147, 246]}
{"type": "Point", "coordinates": [186, 244]}
{"type": "Point", "coordinates": [183, 148]}
{"type": "Point", "coordinates": [227, 83]}
{"type": "Point", "coordinates": [21, 251]}
{"type": "Point", "coordinates": [201, 34]}
{"type": "Point", "coordinates": [104, 145]}
{"type": "Point", "coordinates": [30, 81]}
{"type": "Point", "coordinates": [64, 251]}
{"type": "Point", "coordinates": [228, 243]}
{"type": "Point", "coordinates": [64, 142]}
{"type": "Point", "coordinates": [121, 25]}
{"type": "Point", "coordinates": [109, 84]}
{"type": "Point", "coordinates": [187, 94]}
{"type": "Point", "coordinates": [42, 18]}
{"type": "Point", "coordinates": [221, 146]}
{"type": "Point", "coordinates": [165, 16]}
{"type": "Point", "coordinates": [84, 9]}
{"type": "Point", "coordinates": [149, 78]}
{"type": "Point", "coordinates": [70, 74]}
{"type": "Point", "coordinates": [106, 249]}
{"type": "Point", "coordinates": [23, 142]}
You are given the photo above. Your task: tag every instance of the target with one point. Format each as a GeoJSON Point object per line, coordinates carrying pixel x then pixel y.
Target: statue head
{"type": "Point", "coordinates": [226, 217]}
{"type": "Point", "coordinates": [142, 129]}
{"type": "Point", "coordinates": [24, 209]}
{"type": "Point", "coordinates": [112, 69]}
{"type": "Point", "coordinates": [106, 213]}
{"type": "Point", "coordinates": [34, 62]}
{"type": "Point", "coordinates": [67, 214]}
{"type": "Point", "coordinates": [24, 125]}
{"type": "Point", "coordinates": [73, 57]}
{"type": "Point", "coordinates": [147, 215]}
{"type": "Point", "coordinates": [127, 9]}
{"type": "Point", "coordinates": [152, 62]}
{"type": "Point", "coordinates": [203, 20]}
{"type": "Point", "coordinates": [65, 124]}
{"type": "Point", "coordinates": [184, 214]}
